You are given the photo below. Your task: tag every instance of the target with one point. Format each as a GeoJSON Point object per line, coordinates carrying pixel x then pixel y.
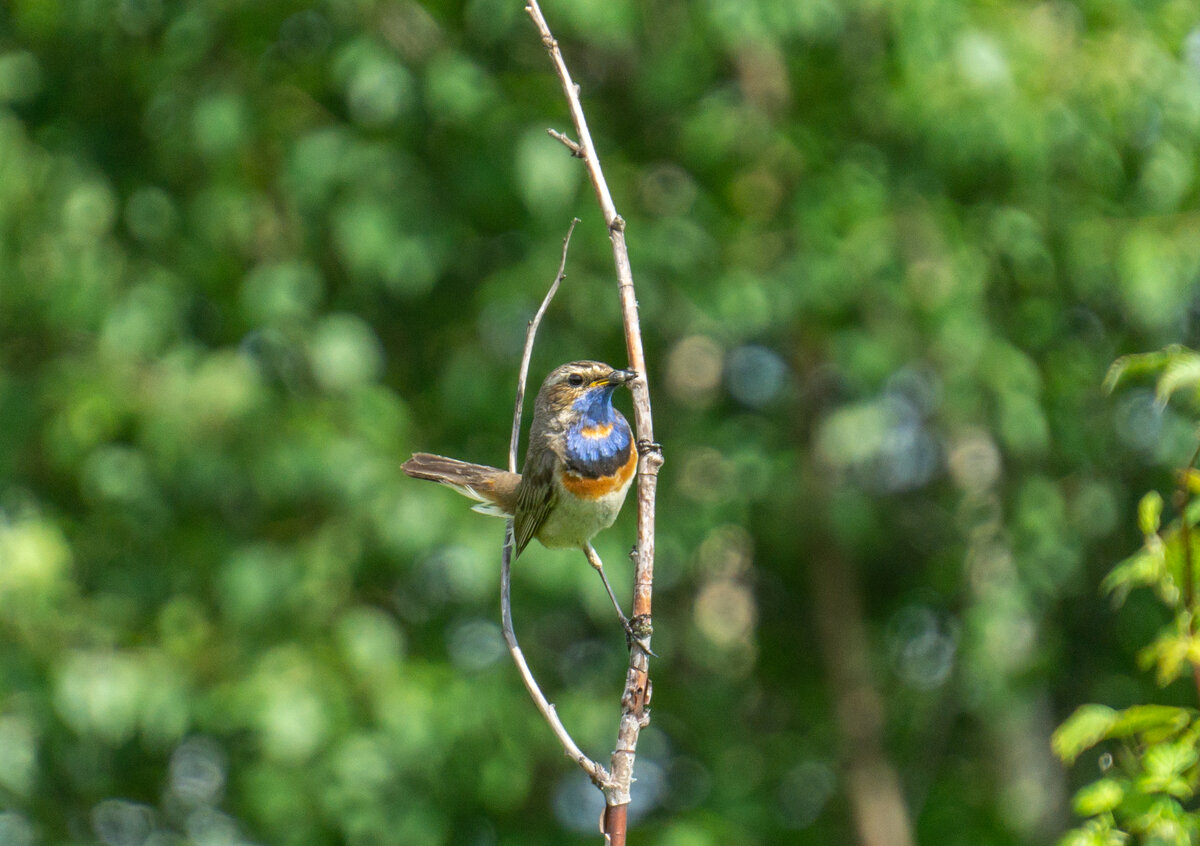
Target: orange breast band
{"type": "Point", "coordinates": [600, 430]}
{"type": "Point", "coordinates": [592, 489]}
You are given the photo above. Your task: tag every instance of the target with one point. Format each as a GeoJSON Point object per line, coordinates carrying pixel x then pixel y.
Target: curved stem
{"type": "Point", "coordinates": [596, 772]}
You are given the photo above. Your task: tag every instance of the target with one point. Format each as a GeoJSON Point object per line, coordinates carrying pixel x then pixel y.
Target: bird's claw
{"type": "Point", "coordinates": [638, 631]}
{"type": "Point", "coordinates": [645, 447]}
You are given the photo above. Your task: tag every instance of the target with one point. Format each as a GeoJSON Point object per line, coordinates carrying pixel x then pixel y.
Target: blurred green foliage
{"type": "Point", "coordinates": [253, 254]}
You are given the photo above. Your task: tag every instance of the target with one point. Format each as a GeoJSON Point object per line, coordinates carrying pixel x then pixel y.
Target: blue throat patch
{"type": "Point", "coordinates": [598, 442]}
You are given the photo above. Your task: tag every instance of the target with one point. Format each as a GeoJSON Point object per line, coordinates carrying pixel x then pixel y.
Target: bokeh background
{"type": "Point", "coordinates": [253, 254]}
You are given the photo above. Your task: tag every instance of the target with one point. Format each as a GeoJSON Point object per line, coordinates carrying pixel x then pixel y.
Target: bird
{"type": "Point", "coordinates": [579, 464]}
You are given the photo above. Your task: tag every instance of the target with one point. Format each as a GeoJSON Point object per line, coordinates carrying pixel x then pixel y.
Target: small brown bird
{"type": "Point", "coordinates": [578, 467]}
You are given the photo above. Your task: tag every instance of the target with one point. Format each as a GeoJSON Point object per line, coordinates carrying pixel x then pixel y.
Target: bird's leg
{"type": "Point", "coordinates": [594, 559]}
{"type": "Point", "coordinates": [631, 637]}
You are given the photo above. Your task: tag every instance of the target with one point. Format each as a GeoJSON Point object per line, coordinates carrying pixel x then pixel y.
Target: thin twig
{"type": "Point", "coordinates": [527, 353]}
{"type": "Point", "coordinates": [636, 698]}
{"type": "Point", "coordinates": [596, 772]}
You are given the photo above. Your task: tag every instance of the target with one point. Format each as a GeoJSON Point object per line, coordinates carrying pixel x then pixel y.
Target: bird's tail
{"type": "Point", "coordinates": [494, 490]}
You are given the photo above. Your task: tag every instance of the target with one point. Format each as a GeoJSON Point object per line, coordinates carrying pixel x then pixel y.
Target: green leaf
{"type": "Point", "coordinates": [1150, 513]}
{"type": "Point", "coordinates": [1162, 822]}
{"type": "Point", "coordinates": [1142, 569]}
{"type": "Point", "coordinates": [1167, 760]}
{"type": "Point", "coordinates": [1097, 832]}
{"type": "Point", "coordinates": [1169, 833]}
{"type": "Point", "coordinates": [1167, 654]}
{"type": "Point", "coordinates": [1191, 476]}
{"type": "Point", "coordinates": [1182, 372]}
{"type": "Point", "coordinates": [1159, 720]}
{"type": "Point", "coordinates": [1165, 765]}
{"type": "Point", "coordinates": [1140, 364]}
{"type": "Point", "coordinates": [1177, 368]}
{"type": "Point", "coordinates": [1098, 798]}
{"type": "Point", "coordinates": [1082, 730]}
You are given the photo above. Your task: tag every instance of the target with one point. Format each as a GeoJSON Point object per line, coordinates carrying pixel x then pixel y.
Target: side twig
{"type": "Point", "coordinates": [575, 149]}
{"type": "Point", "coordinates": [596, 772]}
{"type": "Point", "coordinates": [635, 701]}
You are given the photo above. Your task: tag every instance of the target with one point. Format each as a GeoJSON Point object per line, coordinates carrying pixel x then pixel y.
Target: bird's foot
{"type": "Point", "coordinates": [637, 632]}
{"type": "Point", "coordinates": [644, 446]}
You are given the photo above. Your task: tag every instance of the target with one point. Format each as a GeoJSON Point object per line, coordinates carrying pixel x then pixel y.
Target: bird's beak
{"type": "Point", "coordinates": [620, 377]}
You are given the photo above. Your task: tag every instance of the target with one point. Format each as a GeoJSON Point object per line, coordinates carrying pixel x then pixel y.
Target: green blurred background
{"type": "Point", "coordinates": [253, 254]}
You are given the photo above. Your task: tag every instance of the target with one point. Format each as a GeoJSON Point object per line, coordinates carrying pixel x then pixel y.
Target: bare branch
{"type": "Point", "coordinates": [636, 699]}
{"type": "Point", "coordinates": [596, 772]}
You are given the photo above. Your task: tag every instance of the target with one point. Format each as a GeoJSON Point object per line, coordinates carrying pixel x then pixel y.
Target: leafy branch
{"type": "Point", "coordinates": [1152, 774]}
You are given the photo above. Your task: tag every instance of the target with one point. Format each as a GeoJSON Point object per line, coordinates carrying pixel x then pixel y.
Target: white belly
{"type": "Point", "coordinates": [574, 521]}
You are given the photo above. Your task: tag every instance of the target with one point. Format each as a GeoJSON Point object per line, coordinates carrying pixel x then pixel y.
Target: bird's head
{"type": "Point", "coordinates": [582, 387]}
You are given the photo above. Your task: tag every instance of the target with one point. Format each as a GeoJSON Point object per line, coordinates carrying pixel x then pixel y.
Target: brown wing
{"type": "Point", "coordinates": [536, 496]}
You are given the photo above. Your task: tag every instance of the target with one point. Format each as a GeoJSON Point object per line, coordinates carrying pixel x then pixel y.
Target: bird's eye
{"type": "Point", "coordinates": [575, 380]}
